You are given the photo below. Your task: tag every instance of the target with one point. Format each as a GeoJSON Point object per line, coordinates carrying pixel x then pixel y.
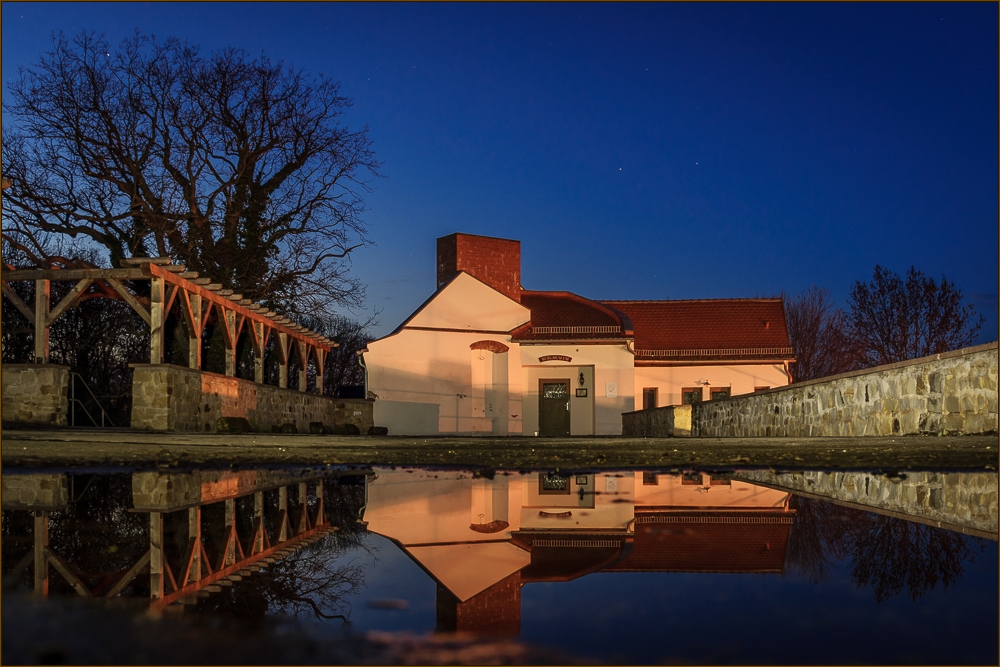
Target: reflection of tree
{"type": "Point", "coordinates": [305, 581]}
{"type": "Point", "coordinates": [884, 553]}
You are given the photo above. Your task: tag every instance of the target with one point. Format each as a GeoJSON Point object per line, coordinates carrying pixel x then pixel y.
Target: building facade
{"type": "Point", "coordinates": [484, 356]}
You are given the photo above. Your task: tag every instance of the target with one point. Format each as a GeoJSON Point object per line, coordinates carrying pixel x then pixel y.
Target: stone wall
{"type": "Point", "coordinates": [35, 394]}
{"type": "Point", "coordinates": [959, 501]}
{"type": "Point", "coordinates": [949, 393]}
{"type": "Point", "coordinates": [665, 422]}
{"type": "Point", "coordinates": [174, 398]}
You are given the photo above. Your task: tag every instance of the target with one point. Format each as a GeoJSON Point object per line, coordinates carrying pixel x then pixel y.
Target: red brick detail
{"type": "Point", "coordinates": [494, 346]}
{"type": "Point", "coordinates": [497, 610]}
{"type": "Point", "coordinates": [496, 262]}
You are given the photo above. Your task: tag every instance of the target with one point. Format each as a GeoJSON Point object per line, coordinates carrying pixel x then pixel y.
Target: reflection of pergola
{"type": "Point", "coordinates": [201, 302]}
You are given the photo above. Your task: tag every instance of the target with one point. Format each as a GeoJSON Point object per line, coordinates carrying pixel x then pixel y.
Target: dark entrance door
{"type": "Point", "coordinates": [553, 407]}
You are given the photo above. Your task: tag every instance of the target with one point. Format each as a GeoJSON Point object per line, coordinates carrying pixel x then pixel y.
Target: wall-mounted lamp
{"type": "Point", "coordinates": [703, 383]}
{"type": "Point", "coordinates": [583, 380]}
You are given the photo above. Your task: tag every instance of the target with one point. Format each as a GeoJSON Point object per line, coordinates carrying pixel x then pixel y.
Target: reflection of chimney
{"type": "Point", "coordinates": [496, 262]}
{"type": "Point", "coordinates": [495, 611]}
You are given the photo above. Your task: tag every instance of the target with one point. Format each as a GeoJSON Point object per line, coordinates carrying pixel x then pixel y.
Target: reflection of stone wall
{"type": "Point", "coordinates": [41, 491]}
{"type": "Point", "coordinates": [165, 491]}
{"type": "Point", "coordinates": [35, 393]}
{"type": "Point", "coordinates": [963, 500]}
{"type": "Point", "coordinates": [174, 398]}
{"type": "Point", "coordinates": [950, 393]}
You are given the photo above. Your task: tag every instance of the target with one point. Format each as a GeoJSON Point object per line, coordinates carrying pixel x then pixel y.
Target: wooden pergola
{"type": "Point", "coordinates": [169, 284]}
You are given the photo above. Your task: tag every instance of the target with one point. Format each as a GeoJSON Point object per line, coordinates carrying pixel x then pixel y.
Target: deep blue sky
{"type": "Point", "coordinates": [641, 151]}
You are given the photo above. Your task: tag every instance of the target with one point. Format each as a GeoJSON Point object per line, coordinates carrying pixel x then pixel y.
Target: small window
{"type": "Point", "coordinates": [719, 481]}
{"type": "Point", "coordinates": [649, 479]}
{"type": "Point", "coordinates": [649, 398]}
{"type": "Point", "coordinates": [551, 485]}
{"type": "Point", "coordinates": [691, 395]}
{"type": "Point", "coordinates": [761, 388]}
{"type": "Point", "coordinates": [720, 392]}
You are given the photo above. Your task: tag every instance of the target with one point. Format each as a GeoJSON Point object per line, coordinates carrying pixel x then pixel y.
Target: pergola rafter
{"type": "Point", "coordinates": [170, 284]}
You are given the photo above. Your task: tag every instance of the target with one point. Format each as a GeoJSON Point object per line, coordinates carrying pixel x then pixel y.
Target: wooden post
{"type": "Point", "coordinates": [41, 315]}
{"type": "Point", "coordinates": [283, 360]}
{"type": "Point", "coordinates": [155, 555]}
{"type": "Point", "coordinates": [230, 323]}
{"type": "Point", "coordinates": [41, 544]}
{"type": "Point", "coordinates": [258, 353]}
{"type": "Point", "coordinates": [303, 365]}
{"type": "Point", "coordinates": [320, 510]}
{"type": "Point", "coordinates": [283, 510]}
{"type": "Point", "coordinates": [320, 362]}
{"type": "Point", "coordinates": [194, 337]}
{"type": "Point", "coordinates": [258, 522]}
{"type": "Point", "coordinates": [156, 319]}
{"type": "Point", "coordinates": [303, 508]}
{"type": "Point", "coordinates": [194, 537]}
{"type": "Point", "coordinates": [230, 556]}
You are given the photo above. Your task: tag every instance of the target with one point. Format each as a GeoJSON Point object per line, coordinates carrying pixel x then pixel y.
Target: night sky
{"type": "Point", "coordinates": [641, 151]}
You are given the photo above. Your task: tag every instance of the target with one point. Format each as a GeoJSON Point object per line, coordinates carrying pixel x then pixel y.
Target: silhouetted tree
{"type": "Point", "coordinates": [816, 329]}
{"type": "Point", "coordinates": [238, 166]}
{"type": "Point", "coordinates": [892, 320]}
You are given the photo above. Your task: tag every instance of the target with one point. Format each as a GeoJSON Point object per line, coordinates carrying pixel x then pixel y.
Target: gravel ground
{"type": "Point", "coordinates": [132, 449]}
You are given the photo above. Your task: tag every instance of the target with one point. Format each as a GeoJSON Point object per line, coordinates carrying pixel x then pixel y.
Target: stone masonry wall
{"type": "Point", "coordinates": [174, 398]}
{"type": "Point", "coordinates": [964, 500]}
{"type": "Point", "coordinates": [34, 491]}
{"type": "Point", "coordinates": [35, 393]}
{"type": "Point", "coordinates": [949, 393]}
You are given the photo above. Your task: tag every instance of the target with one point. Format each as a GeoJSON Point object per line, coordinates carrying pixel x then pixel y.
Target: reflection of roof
{"type": "Point", "coordinates": [467, 568]}
{"type": "Point", "coordinates": [567, 555]}
{"type": "Point", "coordinates": [707, 541]}
{"type": "Point", "coordinates": [707, 328]}
{"type": "Point", "coordinates": [564, 315]}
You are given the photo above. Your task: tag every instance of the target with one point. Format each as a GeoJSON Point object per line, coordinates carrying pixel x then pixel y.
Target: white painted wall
{"type": "Point", "coordinates": [739, 378]}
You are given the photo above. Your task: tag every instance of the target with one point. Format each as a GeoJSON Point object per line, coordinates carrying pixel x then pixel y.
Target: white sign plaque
{"type": "Point", "coordinates": [611, 390]}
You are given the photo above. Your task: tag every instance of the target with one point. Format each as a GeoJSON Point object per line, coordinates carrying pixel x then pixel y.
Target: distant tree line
{"type": "Point", "coordinates": [887, 320]}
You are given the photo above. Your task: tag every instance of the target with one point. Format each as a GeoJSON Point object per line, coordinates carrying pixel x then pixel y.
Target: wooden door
{"type": "Point", "coordinates": [553, 407]}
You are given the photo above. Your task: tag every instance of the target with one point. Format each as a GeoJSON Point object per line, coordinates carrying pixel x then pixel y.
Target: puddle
{"type": "Point", "coordinates": [445, 566]}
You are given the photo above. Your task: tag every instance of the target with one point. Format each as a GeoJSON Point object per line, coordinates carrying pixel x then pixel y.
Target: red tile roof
{"type": "Point", "coordinates": [707, 542]}
{"type": "Point", "coordinates": [707, 328]}
{"type": "Point", "coordinates": [564, 315]}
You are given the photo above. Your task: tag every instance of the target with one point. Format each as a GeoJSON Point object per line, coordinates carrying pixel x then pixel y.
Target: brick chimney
{"type": "Point", "coordinates": [496, 262]}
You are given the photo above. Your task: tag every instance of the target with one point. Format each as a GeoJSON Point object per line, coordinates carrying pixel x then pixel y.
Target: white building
{"type": "Point", "coordinates": [485, 356]}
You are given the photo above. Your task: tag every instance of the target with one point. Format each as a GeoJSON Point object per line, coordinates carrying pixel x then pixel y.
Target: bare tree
{"type": "Point", "coordinates": [238, 166]}
{"type": "Point", "coordinates": [892, 320]}
{"type": "Point", "coordinates": [816, 328]}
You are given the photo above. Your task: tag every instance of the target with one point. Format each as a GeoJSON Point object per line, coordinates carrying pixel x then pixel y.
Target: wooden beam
{"type": "Point", "coordinates": [139, 261]}
{"type": "Point", "coordinates": [41, 319]}
{"type": "Point", "coordinates": [68, 300]}
{"type": "Point", "coordinates": [157, 319]}
{"type": "Point", "coordinates": [67, 574]}
{"type": "Point", "coordinates": [72, 274]}
{"type": "Point", "coordinates": [41, 539]}
{"type": "Point", "coordinates": [9, 292]}
{"type": "Point", "coordinates": [129, 576]}
{"type": "Point", "coordinates": [155, 555]}
{"type": "Point", "coordinates": [130, 299]}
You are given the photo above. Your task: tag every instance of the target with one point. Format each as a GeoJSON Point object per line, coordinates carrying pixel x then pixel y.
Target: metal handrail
{"type": "Point", "coordinates": [73, 400]}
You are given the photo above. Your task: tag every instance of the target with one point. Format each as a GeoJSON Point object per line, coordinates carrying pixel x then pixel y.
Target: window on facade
{"type": "Point", "coordinates": [649, 479]}
{"type": "Point", "coordinates": [716, 481]}
{"type": "Point", "coordinates": [691, 479]}
{"type": "Point", "coordinates": [761, 388]}
{"type": "Point", "coordinates": [649, 398]}
{"type": "Point", "coordinates": [720, 392]}
{"type": "Point", "coordinates": [691, 395]}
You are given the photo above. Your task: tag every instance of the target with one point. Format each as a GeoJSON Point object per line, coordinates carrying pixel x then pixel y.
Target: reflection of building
{"type": "Point", "coordinates": [484, 356]}
{"type": "Point", "coordinates": [482, 539]}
